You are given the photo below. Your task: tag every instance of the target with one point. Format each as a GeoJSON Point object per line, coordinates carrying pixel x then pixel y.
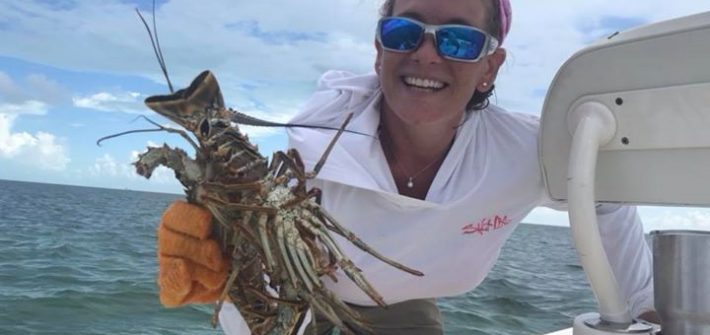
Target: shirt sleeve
{"type": "Point", "coordinates": [628, 253]}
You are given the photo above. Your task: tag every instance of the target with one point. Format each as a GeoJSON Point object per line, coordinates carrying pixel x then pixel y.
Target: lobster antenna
{"type": "Point", "coordinates": [159, 128]}
{"type": "Point", "coordinates": [98, 142]}
{"type": "Point", "coordinates": [156, 46]}
{"type": "Point", "coordinates": [160, 50]}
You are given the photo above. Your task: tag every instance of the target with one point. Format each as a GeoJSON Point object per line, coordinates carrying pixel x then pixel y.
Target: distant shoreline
{"type": "Point", "coordinates": [83, 186]}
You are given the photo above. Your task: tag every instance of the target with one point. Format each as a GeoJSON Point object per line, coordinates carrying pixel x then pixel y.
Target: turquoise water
{"type": "Point", "coordinates": [76, 260]}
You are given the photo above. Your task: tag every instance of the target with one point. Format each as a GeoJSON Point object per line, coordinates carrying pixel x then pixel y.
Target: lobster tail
{"type": "Point", "coordinates": [187, 107]}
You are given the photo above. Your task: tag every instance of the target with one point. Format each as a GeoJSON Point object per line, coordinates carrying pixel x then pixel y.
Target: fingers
{"type": "Point", "coordinates": [211, 280]}
{"type": "Point", "coordinates": [203, 252]}
{"type": "Point", "coordinates": [192, 266]}
{"type": "Point", "coordinates": [181, 282]}
{"type": "Point", "coordinates": [174, 281]}
{"type": "Point", "coordinates": [188, 219]}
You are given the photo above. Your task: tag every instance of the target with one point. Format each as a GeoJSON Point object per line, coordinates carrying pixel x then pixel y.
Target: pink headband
{"type": "Point", "coordinates": [506, 16]}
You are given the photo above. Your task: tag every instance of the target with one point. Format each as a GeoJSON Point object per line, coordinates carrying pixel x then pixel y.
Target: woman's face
{"type": "Point", "coordinates": [421, 87]}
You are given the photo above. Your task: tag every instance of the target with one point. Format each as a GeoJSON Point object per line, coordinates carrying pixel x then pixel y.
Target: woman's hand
{"type": "Point", "coordinates": [192, 266]}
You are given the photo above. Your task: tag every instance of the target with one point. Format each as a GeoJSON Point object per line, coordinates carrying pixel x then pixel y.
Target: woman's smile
{"type": "Point", "coordinates": [424, 84]}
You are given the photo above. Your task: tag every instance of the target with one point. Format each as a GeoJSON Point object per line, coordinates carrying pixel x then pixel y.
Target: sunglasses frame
{"type": "Point", "coordinates": [490, 44]}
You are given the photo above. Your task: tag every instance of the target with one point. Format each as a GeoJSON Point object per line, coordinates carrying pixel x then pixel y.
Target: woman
{"type": "Point", "coordinates": [444, 182]}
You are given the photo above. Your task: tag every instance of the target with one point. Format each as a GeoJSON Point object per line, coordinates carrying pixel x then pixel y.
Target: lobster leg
{"type": "Point", "coordinates": [280, 236]}
{"type": "Point", "coordinates": [240, 207]}
{"type": "Point", "coordinates": [360, 244]}
{"type": "Point", "coordinates": [265, 245]}
{"type": "Point", "coordinates": [346, 264]}
{"type": "Point", "coordinates": [255, 186]}
{"type": "Point", "coordinates": [320, 163]}
{"type": "Point", "coordinates": [306, 273]}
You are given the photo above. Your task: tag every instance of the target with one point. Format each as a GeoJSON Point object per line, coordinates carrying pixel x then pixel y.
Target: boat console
{"type": "Point", "coordinates": [627, 120]}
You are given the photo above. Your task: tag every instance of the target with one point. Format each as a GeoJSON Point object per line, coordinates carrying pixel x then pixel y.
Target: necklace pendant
{"type": "Point", "coordinates": [410, 183]}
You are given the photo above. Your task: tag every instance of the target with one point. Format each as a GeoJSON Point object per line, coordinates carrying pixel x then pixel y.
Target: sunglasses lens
{"type": "Point", "coordinates": [400, 35]}
{"type": "Point", "coordinates": [460, 42]}
{"type": "Point", "coordinates": [453, 42]}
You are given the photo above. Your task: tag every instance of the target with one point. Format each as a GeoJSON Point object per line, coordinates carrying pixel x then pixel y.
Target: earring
{"type": "Point", "coordinates": [484, 84]}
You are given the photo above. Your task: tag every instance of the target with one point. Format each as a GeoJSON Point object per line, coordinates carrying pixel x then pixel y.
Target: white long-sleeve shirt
{"type": "Point", "coordinates": [489, 181]}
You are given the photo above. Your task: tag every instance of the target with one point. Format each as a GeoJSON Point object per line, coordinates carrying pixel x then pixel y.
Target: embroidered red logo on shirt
{"type": "Point", "coordinates": [486, 225]}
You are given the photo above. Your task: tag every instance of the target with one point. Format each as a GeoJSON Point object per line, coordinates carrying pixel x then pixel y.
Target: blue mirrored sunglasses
{"type": "Point", "coordinates": [453, 41]}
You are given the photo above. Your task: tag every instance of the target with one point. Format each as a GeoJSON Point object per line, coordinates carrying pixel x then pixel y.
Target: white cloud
{"type": "Point", "coordinates": [11, 144]}
{"type": "Point", "coordinates": [41, 149]}
{"type": "Point", "coordinates": [127, 102]}
{"type": "Point", "coordinates": [47, 90]}
{"type": "Point", "coordinates": [29, 107]}
{"type": "Point", "coordinates": [35, 88]}
{"type": "Point", "coordinates": [677, 218]}
{"type": "Point", "coordinates": [30, 97]}
{"type": "Point", "coordinates": [105, 166]}
{"type": "Point", "coordinates": [52, 155]}
{"type": "Point", "coordinates": [9, 90]}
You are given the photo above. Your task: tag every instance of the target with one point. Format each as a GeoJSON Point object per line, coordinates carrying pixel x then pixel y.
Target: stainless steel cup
{"type": "Point", "coordinates": [681, 268]}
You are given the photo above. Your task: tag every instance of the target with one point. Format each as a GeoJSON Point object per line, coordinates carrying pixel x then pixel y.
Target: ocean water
{"type": "Point", "coordinates": [76, 260]}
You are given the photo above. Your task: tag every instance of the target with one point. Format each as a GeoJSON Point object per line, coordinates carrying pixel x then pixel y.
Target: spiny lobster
{"type": "Point", "coordinates": [278, 236]}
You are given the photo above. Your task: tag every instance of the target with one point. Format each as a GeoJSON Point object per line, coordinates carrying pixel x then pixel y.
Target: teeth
{"type": "Point", "coordinates": [423, 83]}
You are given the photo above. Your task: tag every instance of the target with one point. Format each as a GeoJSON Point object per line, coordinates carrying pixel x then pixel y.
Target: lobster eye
{"type": "Point", "coordinates": [205, 128]}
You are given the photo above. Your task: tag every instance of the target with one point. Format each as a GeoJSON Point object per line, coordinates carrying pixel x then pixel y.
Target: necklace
{"type": "Point", "coordinates": [410, 177]}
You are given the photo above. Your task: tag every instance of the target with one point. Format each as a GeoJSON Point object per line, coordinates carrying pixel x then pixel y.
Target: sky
{"type": "Point", "coordinates": [73, 71]}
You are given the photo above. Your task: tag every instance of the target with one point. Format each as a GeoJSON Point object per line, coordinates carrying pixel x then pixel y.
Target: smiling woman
{"type": "Point", "coordinates": [442, 160]}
